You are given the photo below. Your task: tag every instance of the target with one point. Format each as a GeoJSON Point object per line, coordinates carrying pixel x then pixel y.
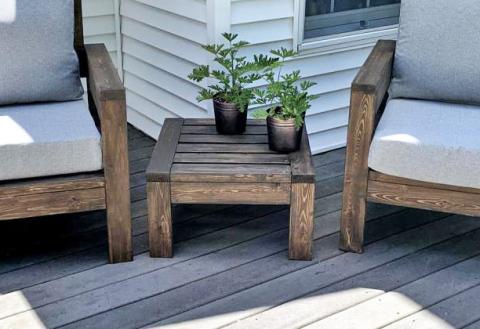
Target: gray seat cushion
{"type": "Point", "coordinates": [48, 139]}
{"type": "Point", "coordinates": [428, 141]}
{"type": "Point", "coordinates": [438, 53]}
{"type": "Point", "coordinates": [37, 59]}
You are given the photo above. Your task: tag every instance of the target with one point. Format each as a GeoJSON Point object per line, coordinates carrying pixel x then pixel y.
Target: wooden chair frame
{"type": "Point", "coordinates": [361, 184]}
{"type": "Point", "coordinates": [108, 189]}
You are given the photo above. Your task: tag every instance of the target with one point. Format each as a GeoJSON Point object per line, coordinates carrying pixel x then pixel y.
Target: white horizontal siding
{"type": "Point", "coordinates": [99, 24]}
{"type": "Point", "coordinates": [161, 45]}
{"type": "Point", "coordinates": [268, 24]}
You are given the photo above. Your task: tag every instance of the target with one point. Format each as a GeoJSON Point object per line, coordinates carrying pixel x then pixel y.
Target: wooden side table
{"type": "Point", "coordinates": [191, 164]}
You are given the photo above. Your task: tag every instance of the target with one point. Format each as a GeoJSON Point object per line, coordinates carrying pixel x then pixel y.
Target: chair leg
{"type": "Point", "coordinates": [352, 224]}
{"type": "Point", "coordinates": [119, 225]}
{"type": "Point", "coordinates": [301, 222]}
{"type": "Point", "coordinates": [159, 219]}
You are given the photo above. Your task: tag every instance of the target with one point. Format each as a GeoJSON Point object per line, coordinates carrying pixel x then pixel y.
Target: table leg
{"type": "Point", "coordinates": [301, 221]}
{"type": "Point", "coordinates": [159, 219]}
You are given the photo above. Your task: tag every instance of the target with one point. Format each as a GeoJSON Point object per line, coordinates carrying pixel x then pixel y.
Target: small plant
{"type": "Point", "coordinates": [284, 96]}
{"type": "Point", "coordinates": [236, 73]}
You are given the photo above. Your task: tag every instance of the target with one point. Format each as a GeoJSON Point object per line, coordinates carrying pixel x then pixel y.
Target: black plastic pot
{"type": "Point", "coordinates": [228, 118]}
{"type": "Point", "coordinates": [283, 136]}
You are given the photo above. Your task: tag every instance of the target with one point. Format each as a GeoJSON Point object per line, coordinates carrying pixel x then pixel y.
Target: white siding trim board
{"type": "Point", "coordinates": [193, 9]}
{"type": "Point", "coordinates": [166, 41]}
{"type": "Point", "coordinates": [165, 21]}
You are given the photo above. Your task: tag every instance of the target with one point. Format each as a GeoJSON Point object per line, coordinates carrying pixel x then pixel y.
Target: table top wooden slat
{"type": "Point", "coordinates": [231, 158]}
{"type": "Point", "coordinates": [303, 170]}
{"type": "Point", "coordinates": [211, 130]}
{"type": "Point", "coordinates": [224, 139]}
{"type": "Point", "coordinates": [164, 151]}
{"type": "Point", "coordinates": [223, 148]}
{"type": "Point", "coordinates": [211, 122]}
{"type": "Point", "coordinates": [190, 150]}
{"type": "Point", "coordinates": [247, 173]}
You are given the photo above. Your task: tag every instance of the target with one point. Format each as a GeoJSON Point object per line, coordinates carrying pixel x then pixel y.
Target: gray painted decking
{"type": "Point", "coordinates": [420, 269]}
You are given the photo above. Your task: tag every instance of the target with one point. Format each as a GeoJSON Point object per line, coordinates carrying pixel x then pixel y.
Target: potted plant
{"type": "Point", "coordinates": [287, 100]}
{"type": "Point", "coordinates": [231, 94]}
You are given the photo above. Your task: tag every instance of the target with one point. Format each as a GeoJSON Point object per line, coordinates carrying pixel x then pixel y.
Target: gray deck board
{"type": "Point", "coordinates": [231, 269]}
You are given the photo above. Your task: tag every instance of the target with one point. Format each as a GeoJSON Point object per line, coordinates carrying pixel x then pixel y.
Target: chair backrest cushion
{"type": "Point", "coordinates": [38, 62]}
{"type": "Point", "coordinates": [438, 51]}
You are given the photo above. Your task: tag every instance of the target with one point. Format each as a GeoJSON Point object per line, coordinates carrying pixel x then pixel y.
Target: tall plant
{"type": "Point", "coordinates": [234, 76]}
{"type": "Point", "coordinates": [285, 96]}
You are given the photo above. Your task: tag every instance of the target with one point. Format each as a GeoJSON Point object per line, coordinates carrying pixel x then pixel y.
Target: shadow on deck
{"type": "Point", "coordinates": [420, 269]}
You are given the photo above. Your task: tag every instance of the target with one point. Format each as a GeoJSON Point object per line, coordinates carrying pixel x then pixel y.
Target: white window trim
{"type": "Point", "coordinates": [338, 42]}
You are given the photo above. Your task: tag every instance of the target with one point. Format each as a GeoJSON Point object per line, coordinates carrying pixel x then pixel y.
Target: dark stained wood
{"type": "Point", "coordinates": [58, 202]}
{"type": "Point", "coordinates": [301, 221]}
{"type": "Point", "coordinates": [117, 179]}
{"type": "Point", "coordinates": [86, 192]}
{"type": "Point", "coordinates": [227, 139]}
{"type": "Point", "coordinates": [52, 184]}
{"type": "Point", "coordinates": [211, 130]}
{"type": "Point", "coordinates": [164, 152]}
{"type": "Point", "coordinates": [368, 91]}
{"type": "Point", "coordinates": [159, 219]}
{"type": "Point", "coordinates": [231, 193]}
{"type": "Point", "coordinates": [231, 158]}
{"type": "Point", "coordinates": [223, 148]}
{"type": "Point", "coordinates": [103, 79]}
{"type": "Point", "coordinates": [424, 198]}
{"type": "Point", "coordinates": [108, 95]}
{"type": "Point", "coordinates": [374, 76]}
{"type": "Point", "coordinates": [211, 122]}
{"type": "Point", "coordinates": [242, 173]}
{"type": "Point", "coordinates": [303, 170]}
{"type": "Point", "coordinates": [203, 167]}
{"type": "Point", "coordinates": [376, 176]}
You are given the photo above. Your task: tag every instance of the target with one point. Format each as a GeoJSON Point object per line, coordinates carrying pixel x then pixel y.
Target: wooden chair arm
{"type": "Point", "coordinates": [375, 74]}
{"type": "Point", "coordinates": [368, 93]}
{"type": "Point", "coordinates": [107, 98]}
{"type": "Point", "coordinates": [103, 80]}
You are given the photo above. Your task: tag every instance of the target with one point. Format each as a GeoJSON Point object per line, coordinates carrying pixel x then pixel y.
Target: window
{"type": "Point", "coordinates": [328, 17]}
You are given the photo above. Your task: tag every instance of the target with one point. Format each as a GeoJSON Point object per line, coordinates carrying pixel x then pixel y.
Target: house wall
{"type": "Point", "coordinates": [270, 24]}
{"type": "Point", "coordinates": [161, 44]}
{"type": "Point", "coordinates": [99, 24]}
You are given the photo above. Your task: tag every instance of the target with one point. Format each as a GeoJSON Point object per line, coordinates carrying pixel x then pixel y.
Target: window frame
{"type": "Point", "coordinates": [336, 42]}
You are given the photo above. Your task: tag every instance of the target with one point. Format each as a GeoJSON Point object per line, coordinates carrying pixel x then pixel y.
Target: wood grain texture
{"type": "Point", "coordinates": [164, 151]}
{"type": "Point", "coordinates": [424, 198]}
{"type": "Point", "coordinates": [211, 130]}
{"type": "Point", "coordinates": [230, 193]}
{"type": "Point", "coordinates": [225, 139]}
{"type": "Point", "coordinates": [223, 148]}
{"type": "Point", "coordinates": [368, 92]}
{"type": "Point", "coordinates": [117, 184]}
{"type": "Point", "coordinates": [108, 95]}
{"type": "Point", "coordinates": [301, 221]}
{"type": "Point", "coordinates": [52, 184]}
{"type": "Point", "coordinates": [58, 202]}
{"type": "Point", "coordinates": [103, 80]}
{"type": "Point", "coordinates": [241, 173]}
{"type": "Point", "coordinates": [303, 170]}
{"type": "Point", "coordinates": [231, 158]}
{"type": "Point", "coordinates": [159, 219]}
{"type": "Point", "coordinates": [376, 176]}
{"type": "Point", "coordinates": [211, 122]}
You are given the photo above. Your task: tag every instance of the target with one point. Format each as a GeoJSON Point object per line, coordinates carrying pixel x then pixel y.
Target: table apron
{"type": "Point", "coordinates": [230, 193]}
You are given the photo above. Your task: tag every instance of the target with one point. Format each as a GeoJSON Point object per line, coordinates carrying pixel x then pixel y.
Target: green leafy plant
{"type": "Point", "coordinates": [235, 74]}
{"type": "Point", "coordinates": [286, 97]}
